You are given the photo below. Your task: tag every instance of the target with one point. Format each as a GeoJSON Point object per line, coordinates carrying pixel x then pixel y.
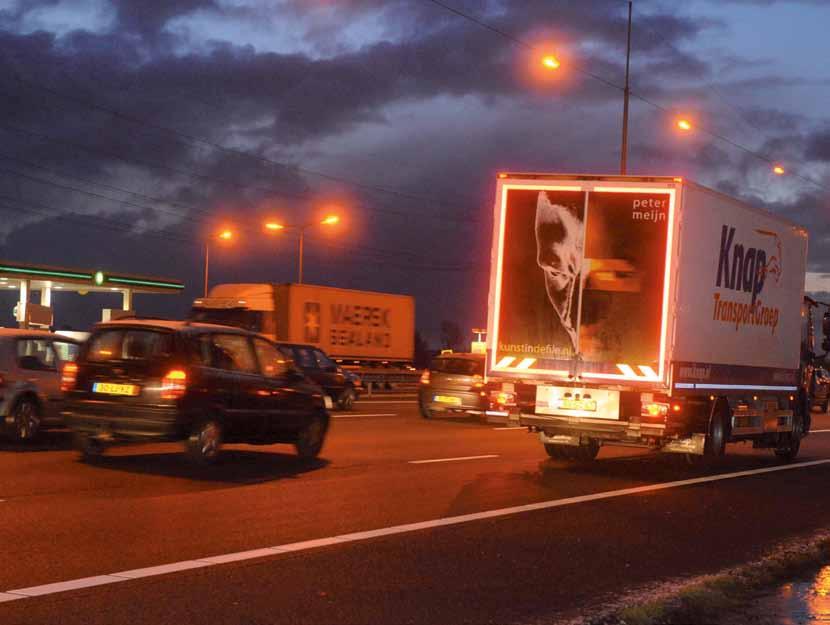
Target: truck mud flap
{"type": "Point", "coordinates": [692, 445]}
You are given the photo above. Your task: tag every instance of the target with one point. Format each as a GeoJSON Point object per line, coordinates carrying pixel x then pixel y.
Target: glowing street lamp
{"type": "Point", "coordinates": [551, 62]}
{"type": "Point", "coordinates": [275, 226]}
{"type": "Point", "coordinates": [684, 124]}
{"type": "Point", "coordinates": [778, 170]}
{"type": "Point", "coordinates": [225, 235]}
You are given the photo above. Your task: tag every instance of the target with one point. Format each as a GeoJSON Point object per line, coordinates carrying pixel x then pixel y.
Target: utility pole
{"type": "Point", "coordinates": [626, 91]}
{"type": "Point", "coordinates": [207, 263]}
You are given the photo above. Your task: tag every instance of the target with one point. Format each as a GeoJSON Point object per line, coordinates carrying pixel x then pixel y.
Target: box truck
{"type": "Point", "coordinates": [647, 311]}
{"type": "Point", "coordinates": [349, 325]}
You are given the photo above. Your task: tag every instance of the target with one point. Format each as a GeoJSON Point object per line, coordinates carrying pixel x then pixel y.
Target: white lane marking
{"type": "Point", "coordinates": [818, 431]}
{"type": "Point", "coordinates": [99, 580]}
{"type": "Point", "coordinates": [73, 584]}
{"type": "Point", "coordinates": [152, 571]}
{"type": "Point", "coordinates": [357, 416]}
{"type": "Point", "coordinates": [453, 459]}
{"type": "Point", "coordinates": [512, 427]}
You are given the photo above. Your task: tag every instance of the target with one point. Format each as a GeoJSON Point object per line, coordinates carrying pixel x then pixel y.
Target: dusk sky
{"type": "Point", "coordinates": [130, 130]}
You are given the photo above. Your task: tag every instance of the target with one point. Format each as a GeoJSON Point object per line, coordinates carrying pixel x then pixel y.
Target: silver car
{"type": "Point", "coordinates": [31, 365]}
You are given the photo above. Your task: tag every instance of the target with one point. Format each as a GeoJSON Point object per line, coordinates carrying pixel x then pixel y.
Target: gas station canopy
{"type": "Point", "coordinates": [43, 278]}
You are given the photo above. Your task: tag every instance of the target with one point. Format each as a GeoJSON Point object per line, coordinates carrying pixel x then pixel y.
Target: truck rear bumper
{"type": "Point", "coordinates": [574, 431]}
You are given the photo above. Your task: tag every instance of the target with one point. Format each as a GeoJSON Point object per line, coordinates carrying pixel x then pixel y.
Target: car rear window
{"type": "Point", "coordinates": [129, 345]}
{"type": "Point", "coordinates": [458, 366]}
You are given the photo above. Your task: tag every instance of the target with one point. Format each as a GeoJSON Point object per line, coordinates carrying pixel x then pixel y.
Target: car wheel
{"type": "Point", "coordinates": [347, 397]}
{"type": "Point", "coordinates": [26, 420]}
{"type": "Point", "coordinates": [311, 438]}
{"type": "Point", "coordinates": [204, 442]}
{"type": "Point", "coordinates": [90, 448]}
{"type": "Point", "coordinates": [426, 413]}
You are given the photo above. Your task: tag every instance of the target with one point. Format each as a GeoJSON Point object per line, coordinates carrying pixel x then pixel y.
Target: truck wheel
{"type": "Point", "coordinates": [202, 446]}
{"type": "Point", "coordinates": [585, 453]}
{"type": "Point", "coordinates": [346, 400]}
{"type": "Point", "coordinates": [89, 447]}
{"type": "Point", "coordinates": [789, 443]}
{"type": "Point", "coordinates": [557, 452]}
{"type": "Point", "coordinates": [26, 420]}
{"type": "Point", "coordinates": [717, 432]}
{"type": "Point", "coordinates": [310, 439]}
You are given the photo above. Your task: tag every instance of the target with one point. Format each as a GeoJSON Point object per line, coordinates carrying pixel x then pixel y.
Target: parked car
{"type": "Point", "coordinates": [30, 380]}
{"type": "Point", "coordinates": [820, 389]}
{"type": "Point", "coordinates": [343, 386]}
{"type": "Point", "coordinates": [154, 380]}
{"type": "Point", "coordinates": [453, 383]}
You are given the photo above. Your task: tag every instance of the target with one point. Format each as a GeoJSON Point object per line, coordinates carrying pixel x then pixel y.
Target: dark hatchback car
{"type": "Point", "coordinates": [453, 383]}
{"type": "Point", "coordinates": [154, 380]}
{"type": "Point", "coordinates": [343, 386]}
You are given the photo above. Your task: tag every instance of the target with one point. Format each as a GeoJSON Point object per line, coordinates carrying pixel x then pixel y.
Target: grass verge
{"type": "Point", "coordinates": [707, 598]}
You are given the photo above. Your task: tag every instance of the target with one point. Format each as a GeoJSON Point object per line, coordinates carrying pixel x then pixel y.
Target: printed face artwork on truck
{"type": "Point", "coordinates": [559, 251]}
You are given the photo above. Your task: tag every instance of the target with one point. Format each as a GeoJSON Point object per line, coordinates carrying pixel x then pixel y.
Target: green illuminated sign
{"type": "Point", "coordinates": [163, 285]}
{"type": "Point", "coordinates": [99, 278]}
{"type": "Point", "coordinates": [46, 272]}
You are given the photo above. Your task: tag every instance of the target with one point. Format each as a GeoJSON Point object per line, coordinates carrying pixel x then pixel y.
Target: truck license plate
{"type": "Point", "coordinates": [568, 401]}
{"type": "Point", "coordinates": [108, 388]}
{"type": "Point", "coordinates": [588, 405]}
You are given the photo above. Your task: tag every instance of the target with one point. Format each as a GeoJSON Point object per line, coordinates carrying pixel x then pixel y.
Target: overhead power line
{"type": "Point", "coordinates": [642, 98]}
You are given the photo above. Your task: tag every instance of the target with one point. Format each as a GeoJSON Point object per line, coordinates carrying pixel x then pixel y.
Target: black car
{"type": "Point", "coordinates": [343, 386]}
{"type": "Point", "coordinates": [820, 395]}
{"type": "Point", "coordinates": [154, 380]}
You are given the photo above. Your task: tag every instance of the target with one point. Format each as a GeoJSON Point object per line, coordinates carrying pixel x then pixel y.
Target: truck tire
{"type": "Point", "coordinates": [557, 452]}
{"type": "Point", "coordinates": [789, 443]}
{"type": "Point", "coordinates": [717, 432]}
{"type": "Point", "coordinates": [426, 413]}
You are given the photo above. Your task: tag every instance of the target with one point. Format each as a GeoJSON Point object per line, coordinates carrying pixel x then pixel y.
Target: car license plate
{"type": "Point", "coordinates": [588, 405]}
{"type": "Point", "coordinates": [444, 399]}
{"type": "Point", "coordinates": [108, 388]}
{"type": "Point", "coordinates": [328, 402]}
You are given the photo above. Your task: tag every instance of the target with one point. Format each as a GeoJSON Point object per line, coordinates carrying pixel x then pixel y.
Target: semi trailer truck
{"type": "Point", "coordinates": [349, 325]}
{"type": "Point", "coordinates": [647, 311]}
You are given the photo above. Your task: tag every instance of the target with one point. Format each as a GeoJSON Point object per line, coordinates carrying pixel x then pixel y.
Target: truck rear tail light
{"type": "Point", "coordinates": [654, 409]}
{"type": "Point", "coordinates": [174, 384]}
{"type": "Point", "coordinates": [425, 377]}
{"type": "Point", "coordinates": [478, 381]}
{"type": "Point", "coordinates": [69, 375]}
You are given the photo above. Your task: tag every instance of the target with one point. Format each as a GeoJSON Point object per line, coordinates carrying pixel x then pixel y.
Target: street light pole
{"type": "Point", "coordinates": [626, 91]}
{"type": "Point", "coordinates": [207, 263]}
{"type": "Point", "coordinates": [300, 276]}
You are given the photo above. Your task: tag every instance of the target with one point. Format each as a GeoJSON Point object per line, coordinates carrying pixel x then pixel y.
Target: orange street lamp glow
{"type": "Point", "coordinates": [330, 220]}
{"type": "Point", "coordinates": [551, 62]}
{"type": "Point", "coordinates": [273, 226]}
{"type": "Point", "coordinates": [684, 124]}
{"type": "Point", "coordinates": [778, 170]}
{"type": "Point", "coordinates": [226, 235]}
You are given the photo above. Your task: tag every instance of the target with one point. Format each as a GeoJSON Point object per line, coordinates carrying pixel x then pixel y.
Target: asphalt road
{"type": "Point", "coordinates": [588, 537]}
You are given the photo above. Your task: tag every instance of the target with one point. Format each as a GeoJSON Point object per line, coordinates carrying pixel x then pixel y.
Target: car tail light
{"type": "Point", "coordinates": [503, 398]}
{"type": "Point", "coordinates": [425, 377]}
{"type": "Point", "coordinates": [174, 384]}
{"type": "Point", "coordinates": [69, 375]}
{"type": "Point", "coordinates": [478, 381]}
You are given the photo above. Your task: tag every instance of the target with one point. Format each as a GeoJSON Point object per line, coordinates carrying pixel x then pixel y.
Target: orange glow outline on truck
{"type": "Point", "coordinates": [672, 193]}
{"type": "Point", "coordinates": [500, 259]}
